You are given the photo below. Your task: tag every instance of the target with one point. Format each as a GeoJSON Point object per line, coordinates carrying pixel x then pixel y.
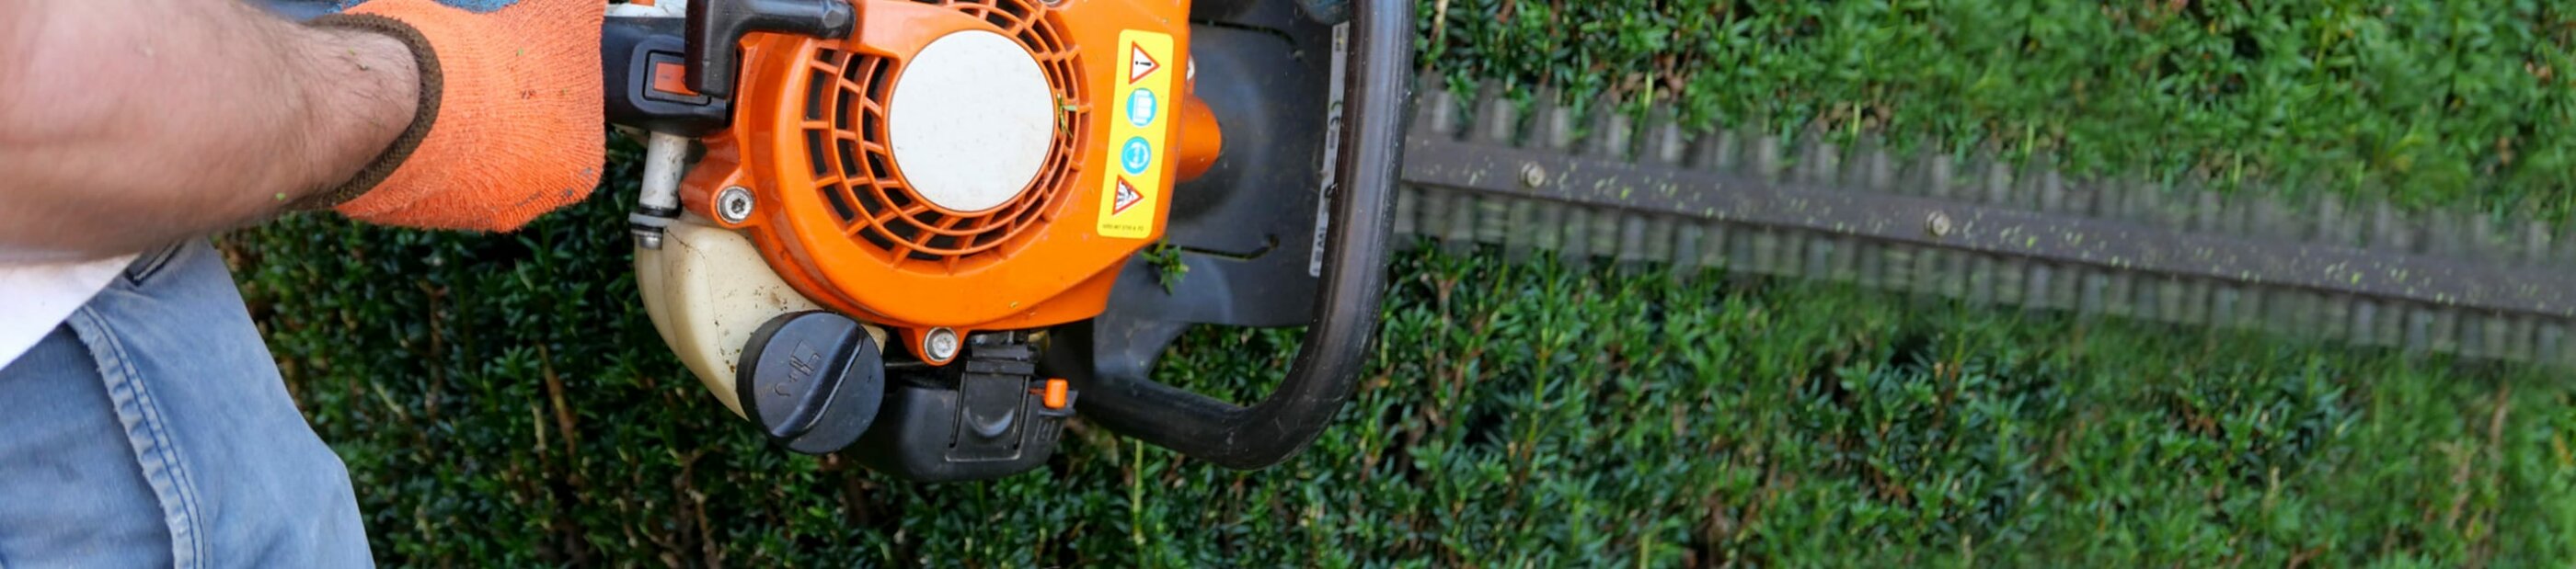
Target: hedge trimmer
{"type": "Point", "coordinates": [909, 230]}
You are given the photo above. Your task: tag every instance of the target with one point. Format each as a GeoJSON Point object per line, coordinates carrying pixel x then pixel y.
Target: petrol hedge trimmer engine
{"type": "Point", "coordinates": [909, 228]}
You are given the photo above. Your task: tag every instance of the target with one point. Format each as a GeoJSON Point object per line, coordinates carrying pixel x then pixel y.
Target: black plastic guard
{"type": "Point", "coordinates": [1249, 231]}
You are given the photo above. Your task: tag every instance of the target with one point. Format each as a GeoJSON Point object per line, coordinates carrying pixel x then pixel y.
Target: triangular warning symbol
{"type": "Point", "coordinates": [1127, 196]}
{"type": "Point", "coordinates": [1139, 63]}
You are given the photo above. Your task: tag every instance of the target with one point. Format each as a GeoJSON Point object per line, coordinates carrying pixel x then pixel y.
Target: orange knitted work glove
{"type": "Point", "coordinates": [508, 126]}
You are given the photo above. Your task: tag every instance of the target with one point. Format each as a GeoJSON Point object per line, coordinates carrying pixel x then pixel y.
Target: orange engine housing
{"type": "Point", "coordinates": [839, 221]}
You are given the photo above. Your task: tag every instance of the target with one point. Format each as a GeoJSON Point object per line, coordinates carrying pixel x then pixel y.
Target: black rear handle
{"type": "Point", "coordinates": [1346, 302]}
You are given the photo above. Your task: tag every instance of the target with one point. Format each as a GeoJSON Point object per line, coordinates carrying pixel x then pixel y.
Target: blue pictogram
{"type": "Point", "coordinates": [1137, 155]}
{"type": "Point", "coordinates": [1141, 107]}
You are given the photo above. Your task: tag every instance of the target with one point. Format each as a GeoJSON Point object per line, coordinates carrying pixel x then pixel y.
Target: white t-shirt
{"type": "Point", "coordinates": [36, 297]}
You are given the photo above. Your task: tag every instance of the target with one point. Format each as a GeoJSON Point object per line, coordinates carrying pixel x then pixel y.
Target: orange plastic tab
{"type": "Point", "coordinates": [670, 77]}
{"type": "Point", "coordinates": [1056, 389]}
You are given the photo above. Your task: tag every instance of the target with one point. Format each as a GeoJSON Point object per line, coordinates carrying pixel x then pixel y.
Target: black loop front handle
{"type": "Point", "coordinates": [1346, 302]}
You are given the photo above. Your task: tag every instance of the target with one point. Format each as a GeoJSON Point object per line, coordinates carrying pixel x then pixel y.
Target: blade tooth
{"type": "Point", "coordinates": [1662, 239]}
{"type": "Point", "coordinates": [2120, 201]}
{"type": "Point", "coordinates": [1793, 253]}
{"type": "Point", "coordinates": [1891, 174]}
{"type": "Point", "coordinates": [2336, 311]}
{"type": "Point", "coordinates": [1493, 218]}
{"type": "Point", "coordinates": [1716, 150]}
{"type": "Point", "coordinates": [1818, 161]}
{"type": "Point", "coordinates": [2260, 309]}
{"type": "Point", "coordinates": [1435, 212]}
{"type": "Point", "coordinates": [2535, 243]}
{"type": "Point", "coordinates": [1603, 239]}
{"type": "Point", "coordinates": [2549, 343]}
{"type": "Point", "coordinates": [1688, 258]}
{"type": "Point", "coordinates": [2173, 205]}
{"type": "Point", "coordinates": [2233, 213]}
{"type": "Point", "coordinates": [1461, 234]}
{"type": "Point", "coordinates": [1518, 242]}
{"type": "Point", "coordinates": [2446, 330]}
{"type": "Point", "coordinates": [2205, 209]}
{"type": "Point", "coordinates": [1496, 121]}
{"type": "Point", "coordinates": [1763, 248]}
{"type": "Point", "coordinates": [2455, 330]}
{"type": "Point", "coordinates": [1765, 161]}
{"type": "Point", "coordinates": [2048, 285]}
{"type": "Point", "coordinates": [2565, 247]}
{"type": "Point", "coordinates": [1608, 133]}
{"type": "Point", "coordinates": [1995, 185]}
{"type": "Point", "coordinates": [1633, 245]}
{"type": "Point", "coordinates": [2267, 217]}
{"type": "Point", "coordinates": [2509, 337]}
{"type": "Point", "coordinates": [2419, 330]}
{"type": "Point", "coordinates": [1935, 269]}
{"type": "Point", "coordinates": [1408, 205]}
{"type": "Point", "coordinates": [2486, 243]}
{"type": "Point", "coordinates": [2366, 322]}
{"type": "Point", "coordinates": [1941, 178]}
{"type": "Point", "coordinates": [1873, 167]}
{"type": "Point", "coordinates": [2128, 200]}
{"type": "Point", "coordinates": [1992, 185]}
{"type": "Point", "coordinates": [2442, 233]}
{"type": "Point", "coordinates": [1832, 256]}
{"type": "Point", "coordinates": [1437, 108]}
{"type": "Point", "coordinates": [2390, 324]}
{"type": "Point", "coordinates": [2083, 282]}
{"type": "Point", "coordinates": [2388, 230]}
{"type": "Point", "coordinates": [1716, 244]}
{"type": "Point", "coordinates": [1982, 288]}
{"type": "Point", "coordinates": [2197, 305]}
{"type": "Point", "coordinates": [1604, 233]}
{"type": "Point", "coordinates": [2227, 297]}
{"type": "Point", "coordinates": [1554, 128]}
{"type": "Point", "coordinates": [1551, 220]}
{"type": "Point", "coordinates": [1847, 258]}
{"type": "Point", "coordinates": [2092, 290]}
{"type": "Point", "coordinates": [1915, 173]}
{"type": "Point", "coordinates": [2343, 308]}
{"type": "Point", "coordinates": [1871, 258]}
{"type": "Point", "coordinates": [1666, 144]}
{"type": "Point", "coordinates": [2083, 198]}
{"type": "Point", "coordinates": [2030, 182]}
{"type": "Point", "coordinates": [2472, 340]}
{"type": "Point", "coordinates": [1576, 243]}
{"type": "Point", "coordinates": [1820, 254]}
{"type": "Point", "coordinates": [2336, 224]}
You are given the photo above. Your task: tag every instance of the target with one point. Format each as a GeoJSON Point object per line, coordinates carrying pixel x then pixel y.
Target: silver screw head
{"type": "Point", "coordinates": [1533, 175]}
{"type": "Point", "coordinates": [733, 204]}
{"type": "Point", "coordinates": [1938, 224]}
{"type": "Point", "coordinates": [940, 344]}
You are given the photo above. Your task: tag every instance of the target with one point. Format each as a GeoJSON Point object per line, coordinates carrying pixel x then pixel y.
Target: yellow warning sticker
{"type": "Point", "coordinates": [1138, 125]}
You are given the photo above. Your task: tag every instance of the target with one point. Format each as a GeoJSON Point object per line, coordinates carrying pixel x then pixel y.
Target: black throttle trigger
{"type": "Point", "coordinates": [716, 28]}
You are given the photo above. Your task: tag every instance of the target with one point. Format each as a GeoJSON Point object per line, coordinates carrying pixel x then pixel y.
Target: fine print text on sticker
{"type": "Point", "coordinates": [1132, 192]}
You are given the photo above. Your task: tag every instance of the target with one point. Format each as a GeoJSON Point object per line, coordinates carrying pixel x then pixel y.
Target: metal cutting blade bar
{"type": "Point", "coordinates": [1484, 169]}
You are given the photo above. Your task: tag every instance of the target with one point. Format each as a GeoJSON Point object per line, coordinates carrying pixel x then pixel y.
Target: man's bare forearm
{"type": "Point", "coordinates": [126, 124]}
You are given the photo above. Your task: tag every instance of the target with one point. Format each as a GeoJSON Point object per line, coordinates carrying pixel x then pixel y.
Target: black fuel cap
{"type": "Point", "coordinates": [812, 380]}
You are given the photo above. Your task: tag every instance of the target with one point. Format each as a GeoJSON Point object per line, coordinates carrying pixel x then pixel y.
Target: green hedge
{"type": "Point", "coordinates": [500, 400]}
{"type": "Point", "coordinates": [2432, 102]}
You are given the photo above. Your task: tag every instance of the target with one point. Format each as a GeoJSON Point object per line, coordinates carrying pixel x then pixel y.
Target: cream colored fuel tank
{"type": "Point", "coordinates": [707, 290]}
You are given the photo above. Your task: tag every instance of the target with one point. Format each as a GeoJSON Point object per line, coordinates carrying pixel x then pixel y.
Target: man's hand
{"type": "Point", "coordinates": [509, 124]}
{"type": "Point", "coordinates": [119, 133]}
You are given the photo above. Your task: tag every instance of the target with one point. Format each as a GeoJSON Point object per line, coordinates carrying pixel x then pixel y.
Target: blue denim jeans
{"type": "Point", "coordinates": [151, 429]}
